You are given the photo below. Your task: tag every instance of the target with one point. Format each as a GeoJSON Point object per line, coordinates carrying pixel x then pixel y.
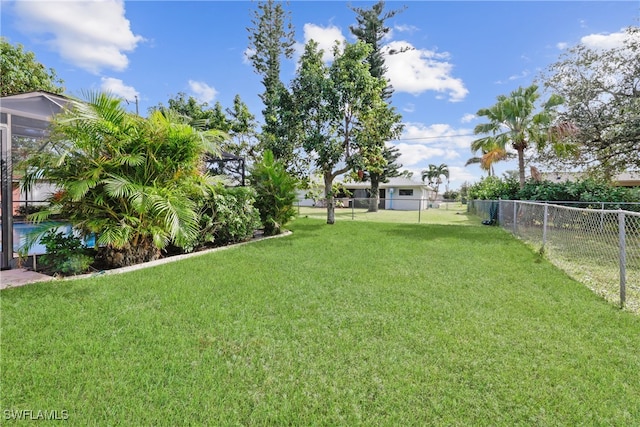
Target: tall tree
{"type": "Point", "coordinates": [434, 176]}
{"type": "Point", "coordinates": [514, 120]}
{"type": "Point", "coordinates": [20, 72]}
{"type": "Point", "coordinates": [237, 122]}
{"type": "Point", "coordinates": [242, 130]}
{"type": "Point", "coordinates": [270, 39]}
{"type": "Point", "coordinates": [601, 88]}
{"type": "Point", "coordinates": [334, 104]}
{"type": "Point", "coordinates": [371, 29]}
{"type": "Point", "coordinates": [198, 114]}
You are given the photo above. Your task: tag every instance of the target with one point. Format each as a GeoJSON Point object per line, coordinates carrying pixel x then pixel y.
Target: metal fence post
{"type": "Point", "coordinates": [419, 209]}
{"type": "Point", "coordinates": [544, 225]}
{"type": "Point", "coordinates": [623, 258]}
{"type": "Point", "coordinates": [353, 208]}
{"type": "Point", "coordinates": [515, 217]}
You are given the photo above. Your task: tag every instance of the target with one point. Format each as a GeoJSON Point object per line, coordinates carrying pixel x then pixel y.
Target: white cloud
{"type": "Point", "coordinates": [604, 41]}
{"type": "Point", "coordinates": [459, 174]}
{"type": "Point", "coordinates": [409, 108]}
{"type": "Point", "coordinates": [419, 70]}
{"type": "Point", "coordinates": [202, 91]}
{"type": "Point", "coordinates": [438, 135]}
{"type": "Point", "coordinates": [522, 75]}
{"type": "Point", "coordinates": [421, 145]}
{"type": "Point", "coordinates": [406, 28]}
{"type": "Point", "coordinates": [117, 87]}
{"type": "Point", "coordinates": [247, 55]}
{"type": "Point", "coordinates": [89, 34]}
{"type": "Point", "coordinates": [513, 77]}
{"type": "Point", "coordinates": [326, 38]}
{"type": "Point", "coordinates": [467, 118]}
{"type": "Point", "coordinates": [412, 154]}
{"type": "Point", "coordinates": [562, 45]}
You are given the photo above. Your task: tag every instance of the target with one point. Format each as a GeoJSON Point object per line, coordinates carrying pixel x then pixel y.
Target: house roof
{"type": "Point", "coordinates": [39, 105]}
{"type": "Point", "coordinates": [393, 183]}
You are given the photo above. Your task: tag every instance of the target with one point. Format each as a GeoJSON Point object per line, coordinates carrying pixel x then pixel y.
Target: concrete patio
{"type": "Point", "coordinates": [19, 277]}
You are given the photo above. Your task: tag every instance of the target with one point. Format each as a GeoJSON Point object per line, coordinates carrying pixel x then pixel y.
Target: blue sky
{"type": "Point", "coordinates": [465, 54]}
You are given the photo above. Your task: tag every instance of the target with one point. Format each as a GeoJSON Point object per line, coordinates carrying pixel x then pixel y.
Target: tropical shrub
{"type": "Point", "coordinates": [65, 255]}
{"type": "Point", "coordinates": [129, 180]}
{"type": "Point", "coordinates": [588, 190]}
{"type": "Point", "coordinates": [228, 216]}
{"type": "Point", "coordinates": [494, 188]}
{"type": "Point", "coordinates": [275, 193]}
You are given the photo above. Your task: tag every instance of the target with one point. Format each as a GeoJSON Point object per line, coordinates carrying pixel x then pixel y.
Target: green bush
{"type": "Point", "coordinates": [275, 193]}
{"type": "Point", "coordinates": [588, 190]}
{"type": "Point", "coordinates": [494, 188]}
{"type": "Point", "coordinates": [451, 195]}
{"type": "Point", "coordinates": [228, 216]}
{"type": "Point", "coordinates": [65, 254]}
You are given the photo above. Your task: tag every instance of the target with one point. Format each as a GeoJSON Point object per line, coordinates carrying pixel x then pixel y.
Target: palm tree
{"type": "Point", "coordinates": [491, 153]}
{"type": "Point", "coordinates": [513, 120]}
{"type": "Point", "coordinates": [131, 181]}
{"type": "Point", "coordinates": [434, 174]}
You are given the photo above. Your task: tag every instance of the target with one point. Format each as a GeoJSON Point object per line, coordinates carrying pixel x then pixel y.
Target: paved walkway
{"type": "Point", "coordinates": [19, 277]}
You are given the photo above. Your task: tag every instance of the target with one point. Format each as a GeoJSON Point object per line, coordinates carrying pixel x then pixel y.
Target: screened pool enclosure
{"type": "Point", "coordinates": [24, 130]}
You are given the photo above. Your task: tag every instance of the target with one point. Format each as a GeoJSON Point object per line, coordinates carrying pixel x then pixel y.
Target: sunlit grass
{"type": "Point", "coordinates": [357, 323]}
{"type": "Point", "coordinates": [447, 213]}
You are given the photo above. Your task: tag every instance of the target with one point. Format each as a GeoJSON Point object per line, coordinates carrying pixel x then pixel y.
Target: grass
{"type": "Point", "coordinates": [359, 323]}
{"type": "Point", "coordinates": [448, 213]}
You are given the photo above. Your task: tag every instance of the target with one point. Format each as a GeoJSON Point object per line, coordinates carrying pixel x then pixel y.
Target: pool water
{"type": "Point", "coordinates": [22, 229]}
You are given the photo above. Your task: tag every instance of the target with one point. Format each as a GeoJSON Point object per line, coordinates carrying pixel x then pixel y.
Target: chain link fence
{"type": "Point", "coordinates": [405, 209]}
{"type": "Point", "coordinates": [598, 247]}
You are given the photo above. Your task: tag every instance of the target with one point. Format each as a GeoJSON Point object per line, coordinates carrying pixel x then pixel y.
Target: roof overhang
{"type": "Point", "coordinates": [34, 105]}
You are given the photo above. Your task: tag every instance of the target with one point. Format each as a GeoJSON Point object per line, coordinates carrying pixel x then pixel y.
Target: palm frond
{"type": "Point", "coordinates": [77, 189]}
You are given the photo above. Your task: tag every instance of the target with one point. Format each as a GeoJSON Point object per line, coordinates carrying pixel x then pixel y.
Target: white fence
{"type": "Point", "coordinates": [598, 247]}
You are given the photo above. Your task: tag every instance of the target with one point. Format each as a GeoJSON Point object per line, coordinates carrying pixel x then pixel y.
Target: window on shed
{"type": "Point", "coordinates": [406, 192]}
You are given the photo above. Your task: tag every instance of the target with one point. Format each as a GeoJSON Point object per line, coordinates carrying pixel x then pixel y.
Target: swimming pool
{"type": "Point", "coordinates": [22, 229]}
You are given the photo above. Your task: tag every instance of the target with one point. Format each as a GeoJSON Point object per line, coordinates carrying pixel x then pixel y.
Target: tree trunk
{"type": "Point", "coordinates": [328, 194]}
{"type": "Point", "coordinates": [144, 251]}
{"type": "Point", "coordinates": [374, 197]}
{"type": "Point", "coordinates": [521, 166]}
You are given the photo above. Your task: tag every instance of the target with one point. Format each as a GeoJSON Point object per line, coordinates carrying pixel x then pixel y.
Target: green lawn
{"type": "Point", "coordinates": [359, 323]}
{"type": "Point", "coordinates": [447, 213]}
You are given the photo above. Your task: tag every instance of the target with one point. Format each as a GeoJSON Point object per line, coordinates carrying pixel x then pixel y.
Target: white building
{"type": "Point", "coordinates": [399, 193]}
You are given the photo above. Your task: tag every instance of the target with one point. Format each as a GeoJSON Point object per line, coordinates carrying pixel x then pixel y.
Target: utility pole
{"type": "Point", "coordinates": [136, 101]}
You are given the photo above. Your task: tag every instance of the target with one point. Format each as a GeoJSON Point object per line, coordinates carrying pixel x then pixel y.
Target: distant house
{"type": "Point", "coordinates": [398, 194]}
